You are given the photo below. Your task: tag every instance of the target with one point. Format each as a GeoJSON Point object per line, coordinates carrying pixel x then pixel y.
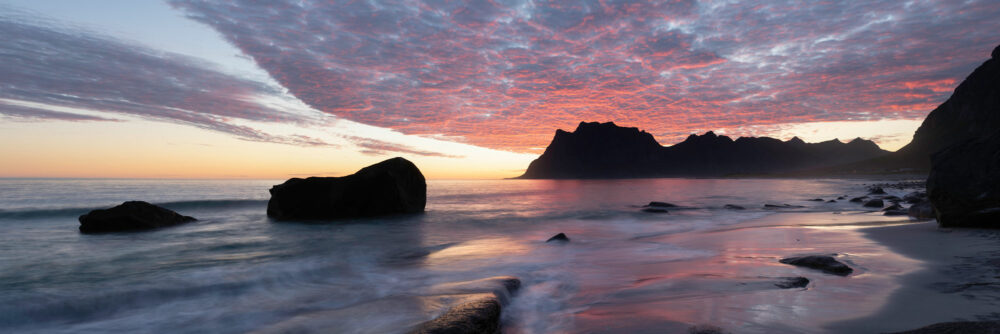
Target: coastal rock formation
{"type": "Point", "coordinates": [972, 111]}
{"type": "Point", "coordinates": [661, 205]}
{"type": "Point", "coordinates": [478, 316]}
{"type": "Point", "coordinates": [388, 187]}
{"type": "Point", "coordinates": [596, 150]}
{"type": "Point", "coordinates": [824, 263]}
{"type": "Point", "coordinates": [734, 207]}
{"type": "Point", "coordinates": [558, 238]}
{"type": "Point", "coordinates": [481, 314]}
{"type": "Point", "coordinates": [130, 216]}
{"type": "Point", "coordinates": [964, 183]}
{"type": "Point", "coordinates": [792, 282]}
{"type": "Point", "coordinates": [605, 150]}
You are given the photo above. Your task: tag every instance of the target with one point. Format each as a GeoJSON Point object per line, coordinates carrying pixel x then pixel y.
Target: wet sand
{"type": "Point", "coordinates": [908, 274]}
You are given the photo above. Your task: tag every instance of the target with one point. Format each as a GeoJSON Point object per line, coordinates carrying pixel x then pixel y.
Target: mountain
{"type": "Point", "coordinates": [605, 150]}
{"type": "Point", "coordinates": [972, 111]}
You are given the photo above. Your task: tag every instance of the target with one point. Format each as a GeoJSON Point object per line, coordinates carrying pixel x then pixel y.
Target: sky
{"type": "Point", "coordinates": [276, 89]}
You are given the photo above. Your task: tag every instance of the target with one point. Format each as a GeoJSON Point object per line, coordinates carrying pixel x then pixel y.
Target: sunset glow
{"type": "Point", "coordinates": [466, 90]}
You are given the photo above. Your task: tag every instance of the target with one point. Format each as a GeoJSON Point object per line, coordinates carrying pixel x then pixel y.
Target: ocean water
{"type": "Point", "coordinates": [237, 271]}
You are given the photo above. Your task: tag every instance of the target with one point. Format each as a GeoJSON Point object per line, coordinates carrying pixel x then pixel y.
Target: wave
{"type": "Point", "coordinates": [176, 206]}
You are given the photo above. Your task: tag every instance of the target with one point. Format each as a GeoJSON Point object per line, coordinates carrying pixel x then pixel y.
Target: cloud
{"type": "Point", "coordinates": [503, 74]}
{"type": "Point", "coordinates": [31, 113]}
{"type": "Point", "coordinates": [62, 67]}
{"type": "Point", "coordinates": [380, 147]}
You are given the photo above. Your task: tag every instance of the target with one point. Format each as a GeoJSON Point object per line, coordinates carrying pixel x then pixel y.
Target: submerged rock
{"type": "Point", "coordinates": [661, 205]}
{"type": "Point", "coordinates": [816, 200]}
{"type": "Point", "coordinates": [558, 238]}
{"type": "Point", "coordinates": [130, 216]}
{"type": "Point", "coordinates": [478, 316]}
{"type": "Point", "coordinates": [734, 207]}
{"type": "Point", "coordinates": [792, 282]}
{"type": "Point", "coordinates": [874, 203]}
{"type": "Point", "coordinates": [655, 210]}
{"type": "Point", "coordinates": [824, 263]}
{"type": "Point", "coordinates": [389, 187]}
{"type": "Point", "coordinates": [964, 183]}
{"type": "Point", "coordinates": [858, 199]}
{"type": "Point", "coordinates": [960, 327]}
{"type": "Point", "coordinates": [782, 206]}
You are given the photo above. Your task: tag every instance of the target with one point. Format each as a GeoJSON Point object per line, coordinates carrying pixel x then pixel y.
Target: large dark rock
{"type": "Point", "coordinates": [130, 216]}
{"type": "Point", "coordinates": [605, 150]}
{"type": "Point", "coordinates": [972, 111]}
{"type": "Point", "coordinates": [481, 314]}
{"type": "Point", "coordinates": [964, 183]}
{"type": "Point", "coordinates": [478, 316]}
{"type": "Point", "coordinates": [960, 327]}
{"type": "Point", "coordinates": [824, 263]}
{"type": "Point", "coordinates": [390, 187]}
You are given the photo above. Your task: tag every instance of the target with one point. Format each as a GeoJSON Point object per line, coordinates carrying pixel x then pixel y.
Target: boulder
{"type": "Point", "coordinates": [874, 203]}
{"type": "Point", "coordinates": [824, 263]}
{"type": "Point", "coordinates": [558, 238]}
{"type": "Point", "coordinates": [922, 210]}
{"type": "Point", "coordinates": [661, 205]}
{"type": "Point", "coordinates": [130, 216]}
{"type": "Point", "coordinates": [734, 207]}
{"type": "Point", "coordinates": [389, 187]}
{"type": "Point", "coordinates": [876, 191]}
{"type": "Point", "coordinates": [478, 316]}
{"type": "Point", "coordinates": [655, 210]}
{"type": "Point", "coordinates": [816, 200]}
{"type": "Point", "coordinates": [964, 183]}
{"type": "Point", "coordinates": [792, 282]}
{"type": "Point", "coordinates": [858, 199]}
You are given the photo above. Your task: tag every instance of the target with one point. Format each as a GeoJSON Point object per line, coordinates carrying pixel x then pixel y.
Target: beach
{"type": "Point", "coordinates": [699, 265]}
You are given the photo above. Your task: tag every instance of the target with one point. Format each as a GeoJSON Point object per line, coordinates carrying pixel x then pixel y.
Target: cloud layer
{"type": "Point", "coordinates": [503, 74]}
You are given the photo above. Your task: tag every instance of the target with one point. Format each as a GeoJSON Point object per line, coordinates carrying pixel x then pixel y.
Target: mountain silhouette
{"type": "Point", "coordinates": [972, 111]}
{"type": "Point", "coordinates": [606, 150]}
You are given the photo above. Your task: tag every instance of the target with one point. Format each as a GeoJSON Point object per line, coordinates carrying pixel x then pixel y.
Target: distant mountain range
{"type": "Point", "coordinates": [605, 150]}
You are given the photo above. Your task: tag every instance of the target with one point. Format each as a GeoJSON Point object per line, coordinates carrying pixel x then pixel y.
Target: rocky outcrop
{"type": "Point", "coordinates": [964, 183]}
{"type": "Point", "coordinates": [478, 316]}
{"type": "Point", "coordinates": [130, 216]}
{"type": "Point", "coordinates": [605, 150]}
{"type": "Point", "coordinates": [824, 263]}
{"type": "Point", "coordinates": [480, 313]}
{"type": "Point", "coordinates": [390, 187]}
{"type": "Point", "coordinates": [972, 111]}
{"type": "Point", "coordinates": [561, 237]}
{"type": "Point", "coordinates": [874, 203]}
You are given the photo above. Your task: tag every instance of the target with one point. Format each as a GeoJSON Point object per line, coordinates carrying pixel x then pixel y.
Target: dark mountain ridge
{"type": "Point", "coordinates": [606, 150]}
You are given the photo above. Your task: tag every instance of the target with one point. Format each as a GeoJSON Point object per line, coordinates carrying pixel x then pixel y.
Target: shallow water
{"type": "Point", "coordinates": [236, 271]}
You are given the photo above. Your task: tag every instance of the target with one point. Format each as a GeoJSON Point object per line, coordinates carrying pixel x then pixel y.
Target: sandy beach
{"type": "Point", "coordinates": [908, 274]}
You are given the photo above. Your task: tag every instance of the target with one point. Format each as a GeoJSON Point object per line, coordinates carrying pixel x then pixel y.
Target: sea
{"type": "Point", "coordinates": [237, 271]}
